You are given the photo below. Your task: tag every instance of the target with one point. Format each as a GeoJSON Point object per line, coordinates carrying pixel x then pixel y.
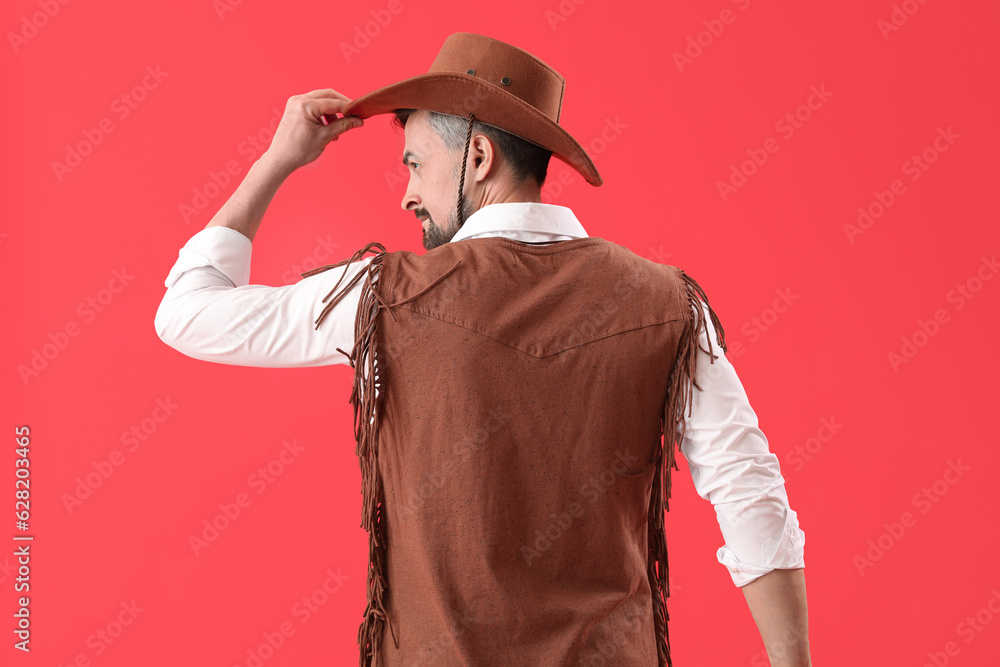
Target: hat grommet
{"type": "Point", "coordinates": [505, 81]}
{"type": "Point", "coordinates": [472, 72]}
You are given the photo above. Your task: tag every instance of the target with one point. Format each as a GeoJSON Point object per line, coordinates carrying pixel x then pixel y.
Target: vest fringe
{"type": "Point", "coordinates": [367, 417]}
{"type": "Point", "coordinates": [678, 398]}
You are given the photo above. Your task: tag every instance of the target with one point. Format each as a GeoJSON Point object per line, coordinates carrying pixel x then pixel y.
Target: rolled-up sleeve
{"type": "Point", "coordinates": [211, 312]}
{"type": "Point", "coordinates": [733, 468]}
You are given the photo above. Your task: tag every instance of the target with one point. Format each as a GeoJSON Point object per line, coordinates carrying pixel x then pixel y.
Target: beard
{"type": "Point", "coordinates": [435, 235]}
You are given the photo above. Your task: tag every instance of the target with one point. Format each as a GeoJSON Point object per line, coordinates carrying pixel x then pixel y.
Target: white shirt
{"type": "Point", "coordinates": [211, 312]}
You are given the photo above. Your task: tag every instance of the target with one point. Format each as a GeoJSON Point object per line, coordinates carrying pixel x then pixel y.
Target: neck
{"type": "Point", "coordinates": [507, 193]}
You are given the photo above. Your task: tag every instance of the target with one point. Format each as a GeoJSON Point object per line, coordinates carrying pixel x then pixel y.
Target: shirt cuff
{"type": "Point", "coordinates": [221, 247]}
{"type": "Point", "coordinates": [788, 552]}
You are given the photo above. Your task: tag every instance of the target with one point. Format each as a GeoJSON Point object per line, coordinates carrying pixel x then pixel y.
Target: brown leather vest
{"type": "Point", "coordinates": [510, 404]}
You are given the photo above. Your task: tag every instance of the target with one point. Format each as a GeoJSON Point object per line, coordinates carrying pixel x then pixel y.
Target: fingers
{"type": "Point", "coordinates": [325, 110]}
{"type": "Point", "coordinates": [327, 93]}
{"type": "Point", "coordinates": [324, 106]}
{"type": "Point", "coordinates": [341, 125]}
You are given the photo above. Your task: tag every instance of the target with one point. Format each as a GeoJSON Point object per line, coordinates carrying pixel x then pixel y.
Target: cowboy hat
{"type": "Point", "coordinates": [499, 84]}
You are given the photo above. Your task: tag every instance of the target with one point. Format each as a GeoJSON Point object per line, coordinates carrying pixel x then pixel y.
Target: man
{"type": "Point", "coordinates": [511, 386]}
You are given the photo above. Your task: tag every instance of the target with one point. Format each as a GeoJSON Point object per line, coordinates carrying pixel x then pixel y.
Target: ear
{"type": "Point", "coordinates": [482, 157]}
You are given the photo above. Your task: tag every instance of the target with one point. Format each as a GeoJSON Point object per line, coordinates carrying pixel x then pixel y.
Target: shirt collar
{"type": "Point", "coordinates": [522, 221]}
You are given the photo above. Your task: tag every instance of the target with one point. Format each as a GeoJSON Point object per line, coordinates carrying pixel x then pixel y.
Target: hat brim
{"type": "Point", "coordinates": [459, 95]}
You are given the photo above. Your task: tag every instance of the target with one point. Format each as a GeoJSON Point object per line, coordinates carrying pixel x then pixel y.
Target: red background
{"type": "Point", "coordinates": [681, 128]}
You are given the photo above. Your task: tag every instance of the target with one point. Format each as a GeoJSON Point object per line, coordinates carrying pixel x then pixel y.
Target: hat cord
{"type": "Point", "coordinates": [465, 157]}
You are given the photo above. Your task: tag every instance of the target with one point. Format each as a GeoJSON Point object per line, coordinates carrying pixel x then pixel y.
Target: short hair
{"type": "Point", "coordinates": [525, 158]}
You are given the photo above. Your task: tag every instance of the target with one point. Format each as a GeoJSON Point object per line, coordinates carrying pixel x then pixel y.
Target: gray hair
{"type": "Point", "coordinates": [525, 158]}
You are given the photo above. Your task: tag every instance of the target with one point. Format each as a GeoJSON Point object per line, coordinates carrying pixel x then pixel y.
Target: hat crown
{"type": "Point", "coordinates": [511, 69]}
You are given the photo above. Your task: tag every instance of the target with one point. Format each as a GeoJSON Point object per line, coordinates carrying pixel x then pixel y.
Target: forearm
{"type": "Point", "coordinates": [245, 209]}
{"type": "Point", "coordinates": [777, 601]}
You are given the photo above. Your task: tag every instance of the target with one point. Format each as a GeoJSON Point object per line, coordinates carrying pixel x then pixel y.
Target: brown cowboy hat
{"type": "Point", "coordinates": [500, 84]}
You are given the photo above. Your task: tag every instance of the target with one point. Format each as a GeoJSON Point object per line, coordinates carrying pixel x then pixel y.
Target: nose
{"type": "Point", "coordinates": [410, 198]}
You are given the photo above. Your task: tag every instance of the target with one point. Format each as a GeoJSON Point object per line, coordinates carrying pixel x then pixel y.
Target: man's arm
{"type": "Point", "coordinates": [245, 209]}
{"type": "Point", "coordinates": [733, 468]}
{"type": "Point", "coordinates": [211, 312]}
{"type": "Point", "coordinates": [777, 601]}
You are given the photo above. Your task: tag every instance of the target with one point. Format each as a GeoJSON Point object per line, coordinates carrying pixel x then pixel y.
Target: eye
{"type": "Point", "coordinates": [415, 165]}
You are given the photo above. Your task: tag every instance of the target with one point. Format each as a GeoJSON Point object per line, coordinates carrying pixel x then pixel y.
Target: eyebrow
{"type": "Point", "coordinates": [408, 155]}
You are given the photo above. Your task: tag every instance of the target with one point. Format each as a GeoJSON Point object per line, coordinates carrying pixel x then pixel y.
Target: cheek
{"type": "Point", "coordinates": [445, 189]}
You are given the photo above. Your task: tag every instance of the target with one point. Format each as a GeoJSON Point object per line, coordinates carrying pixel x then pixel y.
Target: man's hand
{"type": "Point", "coordinates": [309, 123]}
